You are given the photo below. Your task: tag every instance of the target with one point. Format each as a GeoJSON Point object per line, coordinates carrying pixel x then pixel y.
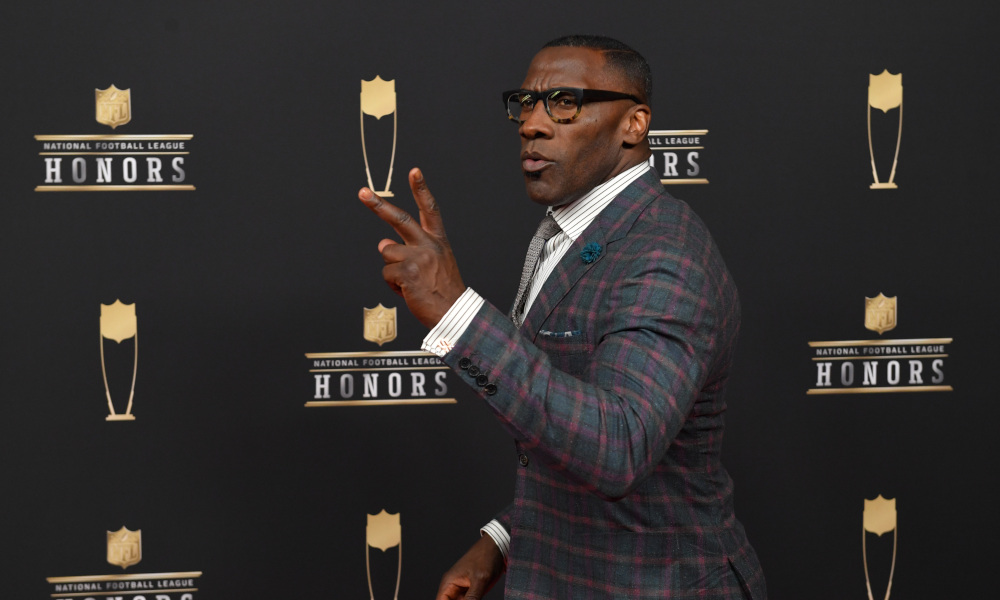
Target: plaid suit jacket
{"type": "Point", "coordinates": [613, 389]}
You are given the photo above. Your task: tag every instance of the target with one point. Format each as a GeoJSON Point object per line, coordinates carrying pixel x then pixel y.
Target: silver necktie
{"type": "Point", "coordinates": [546, 229]}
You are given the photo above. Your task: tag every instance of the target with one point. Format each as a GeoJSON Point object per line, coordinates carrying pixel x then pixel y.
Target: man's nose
{"type": "Point", "coordinates": [538, 124]}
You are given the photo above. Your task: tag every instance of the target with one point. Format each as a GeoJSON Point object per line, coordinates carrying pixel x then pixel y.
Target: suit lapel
{"type": "Point", "coordinates": [611, 225]}
{"type": "Point", "coordinates": [569, 271]}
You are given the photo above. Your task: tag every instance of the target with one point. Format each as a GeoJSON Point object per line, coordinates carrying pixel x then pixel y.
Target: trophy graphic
{"type": "Point", "coordinates": [879, 518]}
{"type": "Point", "coordinates": [378, 99]}
{"type": "Point", "coordinates": [118, 323]}
{"type": "Point", "coordinates": [384, 532]}
{"type": "Point", "coordinates": [885, 92]}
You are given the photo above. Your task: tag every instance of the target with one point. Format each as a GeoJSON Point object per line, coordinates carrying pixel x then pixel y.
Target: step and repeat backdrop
{"type": "Point", "coordinates": [186, 174]}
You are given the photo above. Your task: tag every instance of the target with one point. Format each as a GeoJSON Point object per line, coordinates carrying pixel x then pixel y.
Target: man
{"type": "Point", "coordinates": [612, 380]}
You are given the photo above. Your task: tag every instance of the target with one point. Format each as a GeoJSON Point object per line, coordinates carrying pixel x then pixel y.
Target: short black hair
{"type": "Point", "coordinates": [619, 56]}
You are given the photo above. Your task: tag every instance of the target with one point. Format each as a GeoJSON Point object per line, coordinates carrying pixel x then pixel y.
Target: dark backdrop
{"type": "Point", "coordinates": [226, 472]}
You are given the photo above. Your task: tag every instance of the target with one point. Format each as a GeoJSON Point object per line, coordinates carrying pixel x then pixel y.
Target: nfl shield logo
{"type": "Point", "coordinates": [880, 313]}
{"type": "Point", "coordinates": [885, 90]}
{"type": "Point", "coordinates": [124, 547]}
{"type": "Point", "coordinates": [378, 97]}
{"type": "Point", "coordinates": [879, 515]}
{"type": "Point", "coordinates": [114, 106]}
{"type": "Point", "coordinates": [380, 324]}
{"type": "Point", "coordinates": [383, 530]}
{"type": "Point", "coordinates": [118, 321]}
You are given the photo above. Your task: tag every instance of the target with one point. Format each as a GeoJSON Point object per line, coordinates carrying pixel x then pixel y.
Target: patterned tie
{"type": "Point", "coordinates": [546, 229]}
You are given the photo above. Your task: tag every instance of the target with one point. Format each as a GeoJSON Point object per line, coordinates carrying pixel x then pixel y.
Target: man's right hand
{"type": "Point", "coordinates": [422, 269]}
{"type": "Point", "coordinates": [474, 574]}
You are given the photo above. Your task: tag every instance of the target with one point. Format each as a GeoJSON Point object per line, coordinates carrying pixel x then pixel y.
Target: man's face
{"type": "Point", "coordinates": [563, 161]}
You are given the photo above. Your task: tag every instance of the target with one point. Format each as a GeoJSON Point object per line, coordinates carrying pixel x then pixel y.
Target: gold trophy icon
{"type": "Point", "coordinates": [879, 517]}
{"type": "Point", "coordinates": [378, 99]}
{"type": "Point", "coordinates": [384, 532]}
{"type": "Point", "coordinates": [118, 323]}
{"type": "Point", "coordinates": [885, 92]}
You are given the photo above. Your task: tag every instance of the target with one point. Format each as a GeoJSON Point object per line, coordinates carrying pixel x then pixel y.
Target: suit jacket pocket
{"type": "Point", "coordinates": [569, 350]}
{"type": "Point", "coordinates": [648, 564]}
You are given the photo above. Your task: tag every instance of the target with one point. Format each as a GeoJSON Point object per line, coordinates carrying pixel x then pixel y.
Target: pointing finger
{"type": "Point", "coordinates": [399, 219]}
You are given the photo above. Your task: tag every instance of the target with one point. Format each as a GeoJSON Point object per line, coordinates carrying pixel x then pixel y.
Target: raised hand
{"type": "Point", "coordinates": [422, 269]}
{"type": "Point", "coordinates": [474, 574]}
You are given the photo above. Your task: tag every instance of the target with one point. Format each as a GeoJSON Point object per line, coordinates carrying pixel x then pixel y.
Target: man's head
{"type": "Point", "coordinates": [629, 64]}
{"type": "Point", "coordinates": [564, 160]}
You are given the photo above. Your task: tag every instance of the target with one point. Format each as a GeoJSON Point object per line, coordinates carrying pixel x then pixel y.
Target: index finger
{"type": "Point", "coordinates": [399, 219]}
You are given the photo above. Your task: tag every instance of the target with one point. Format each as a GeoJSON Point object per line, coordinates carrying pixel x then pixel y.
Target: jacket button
{"type": "Point", "coordinates": [474, 371]}
{"type": "Point", "coordinates": [464, 362]}
{"type": "Point", "coordinates": [490, 389]}
{"type": "Point", "coordinates": [482, 380]}
{"type": "Point", "coordinates": [523, 459]}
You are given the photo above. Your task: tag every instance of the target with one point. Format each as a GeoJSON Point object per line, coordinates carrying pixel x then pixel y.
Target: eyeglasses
{"type": "Point", "coordinates": [562, 103]}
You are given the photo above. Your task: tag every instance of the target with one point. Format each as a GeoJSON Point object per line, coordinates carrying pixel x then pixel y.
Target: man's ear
{"type": "Point", "coordinates": [637, 124]}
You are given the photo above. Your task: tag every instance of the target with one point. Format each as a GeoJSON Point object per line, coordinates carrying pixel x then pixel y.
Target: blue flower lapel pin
{"type": "Point", "coordinates": [590, 252]}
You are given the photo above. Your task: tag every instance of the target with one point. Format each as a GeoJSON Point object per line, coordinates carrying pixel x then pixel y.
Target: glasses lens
{"type": "Point", "coordinates": [519, 106]}
{"type": "Point", "coordinates": [563, 105]}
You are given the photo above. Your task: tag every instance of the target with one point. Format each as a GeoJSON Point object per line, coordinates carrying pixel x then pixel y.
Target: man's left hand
{"type": "Point", "coordinates": [422, 269]}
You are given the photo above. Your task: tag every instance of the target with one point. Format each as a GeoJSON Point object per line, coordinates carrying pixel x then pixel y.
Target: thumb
{"type": "Point", "coordinates": [385, 243]}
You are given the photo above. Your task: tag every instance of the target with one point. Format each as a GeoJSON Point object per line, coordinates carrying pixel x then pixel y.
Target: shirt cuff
{"type": "Point", "coordinates": [442, 337]}
{"type": "Point", "coordinates": [500, 536]}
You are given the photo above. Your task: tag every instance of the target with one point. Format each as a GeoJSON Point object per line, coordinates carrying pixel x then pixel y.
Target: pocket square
{"type": "Point", "coordinates": [559, 334]}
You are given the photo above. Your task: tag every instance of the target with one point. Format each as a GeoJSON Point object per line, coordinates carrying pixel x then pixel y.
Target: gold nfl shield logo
{"type": "Point", "coordinates": [384, 531]}
{"type": "Point", "coordinates": [880, 313]}
{"type": "Point", "coordinates": [378, 97]}
{"type": "Point", "coordinates": [124, 547]}
{"type": "Point", "coordinates": [114, 106]}
{"type": "Point", "coordinates": [380, 324]}
{"type": "Point", "coordinates": [879, 515]}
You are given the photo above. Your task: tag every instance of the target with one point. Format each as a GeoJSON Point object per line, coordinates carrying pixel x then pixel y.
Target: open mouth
{"type": "Point", "coordinates": [534, 165]}
{"type": "Point", "coordinates": [534, 162]}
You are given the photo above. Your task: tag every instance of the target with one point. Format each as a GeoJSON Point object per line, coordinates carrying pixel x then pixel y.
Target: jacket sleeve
{"type": "Point", "coordinates": [655, 335]}
{"type": "Point", "coordinates": [504, 517]}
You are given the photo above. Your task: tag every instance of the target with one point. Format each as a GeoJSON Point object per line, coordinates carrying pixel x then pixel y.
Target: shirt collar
{"type": "Point", "coordinates": [575, 217]}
